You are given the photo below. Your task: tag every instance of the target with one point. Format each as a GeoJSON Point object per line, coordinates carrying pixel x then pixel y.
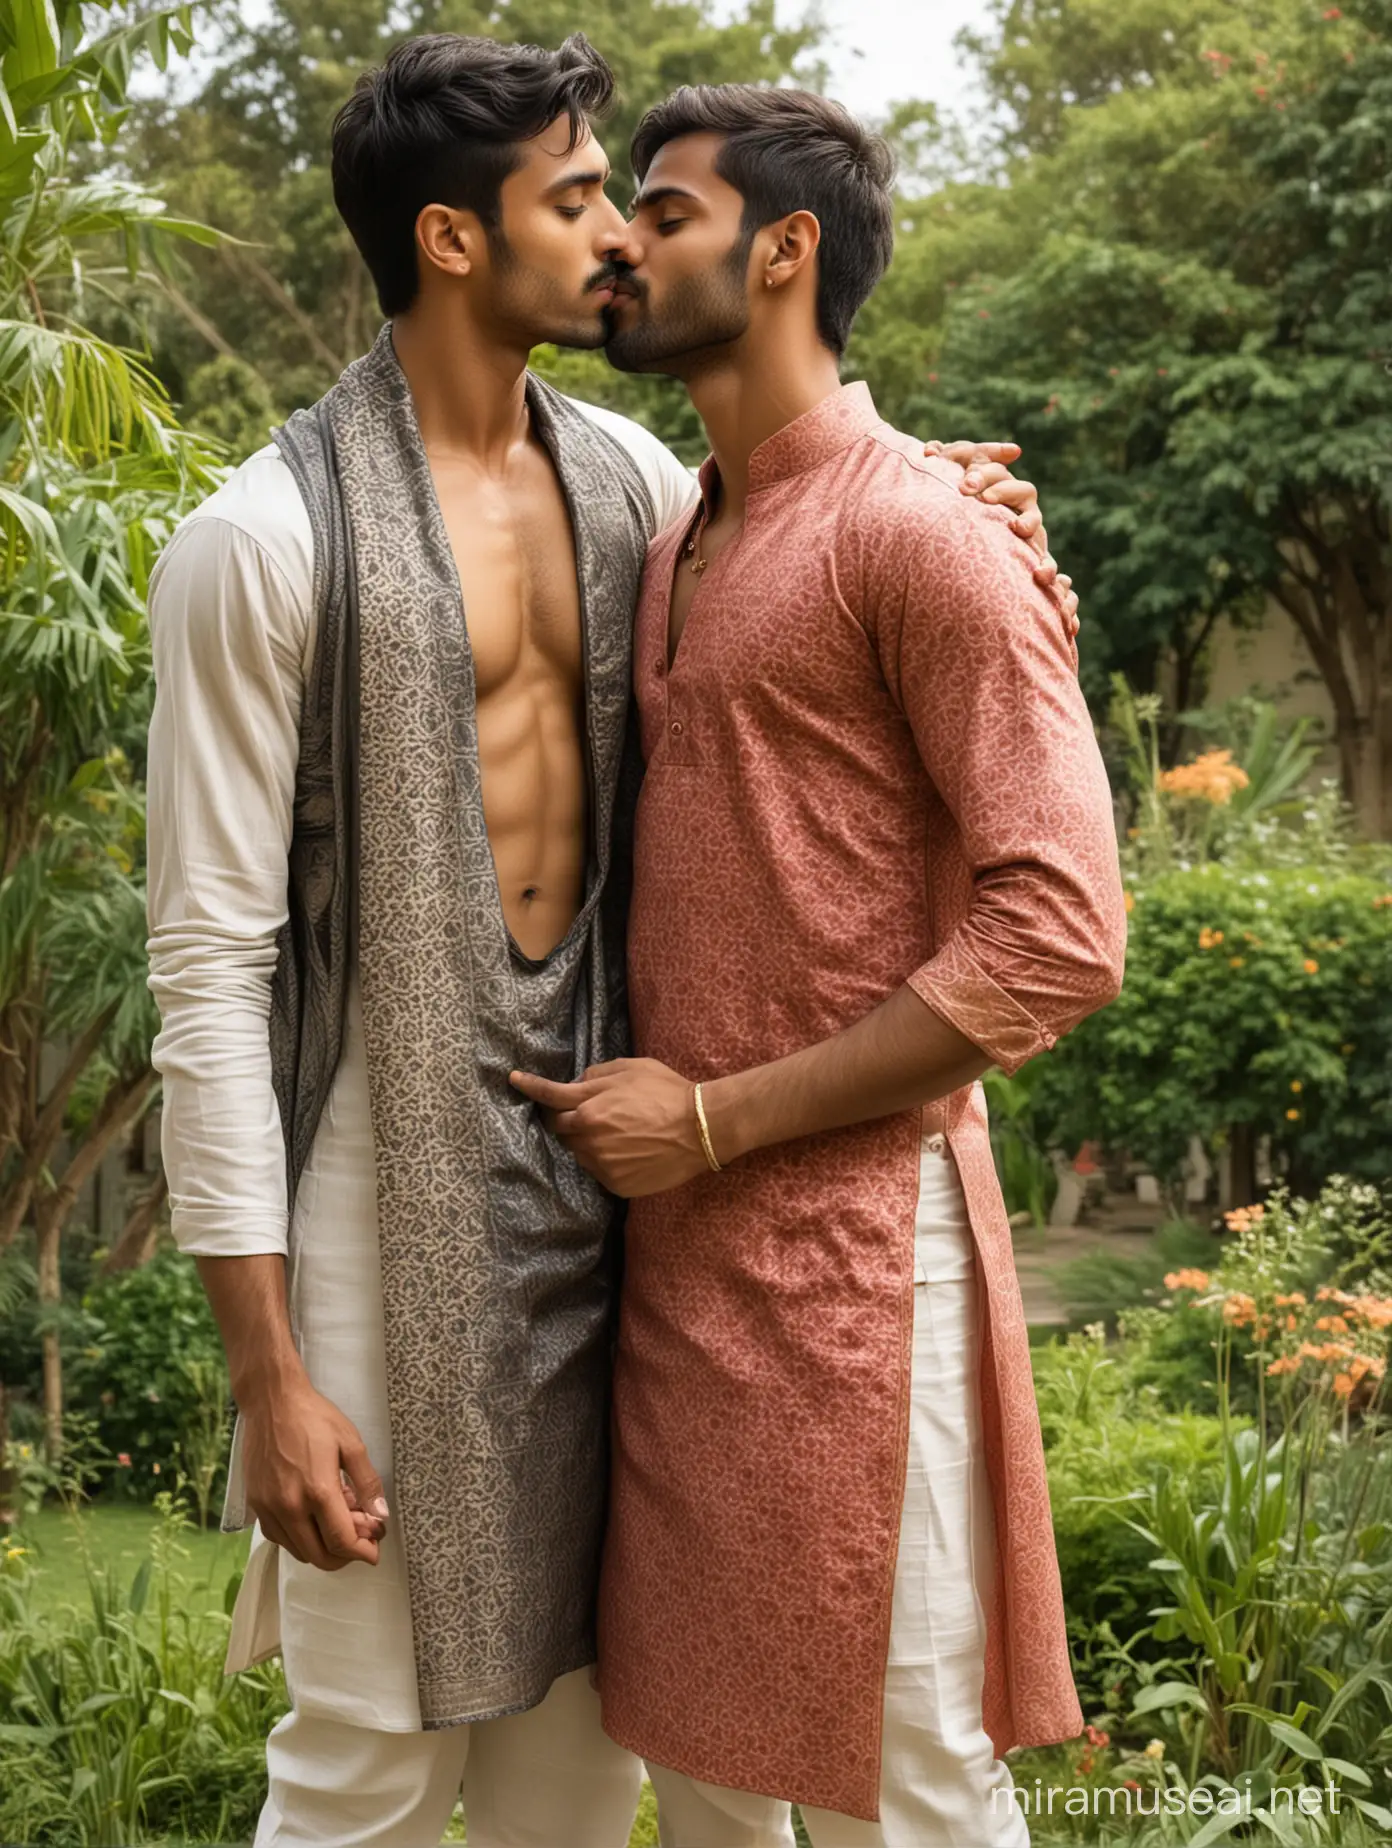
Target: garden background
{"type": "Point", "coordinates": [1157, 252]}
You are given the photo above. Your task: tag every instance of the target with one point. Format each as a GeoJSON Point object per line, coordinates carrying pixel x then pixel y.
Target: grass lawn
{"type": "Point", "coordinates": [117, 1536]}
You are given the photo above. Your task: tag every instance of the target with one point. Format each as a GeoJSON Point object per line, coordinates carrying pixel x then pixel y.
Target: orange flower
{"type": "Point", "coordinates": [1211, 777]}
{"type": "Point", "coordinates": [1243, 1217]}
{"type": "Point", "coordinates": [1295, 1299]}
{"type": "Point", "coordinates": [1186, 1280]}
{"type": "Point", "coordinates": [1287, 1363]}
{"type": "Point", "coordinates": [1238, 1309]}
{"type": "Point", "coordinates": [1128, 901]}
{"type": "Point", "coordinates": [1343, 1385]}
{"type": "Point", "coordinates": [1209, 939]}
{"type": "Point", "coordinates": [1297, 1086]}
{"type": "Point", "coordinates": [1292, 1116]}
{"type": "Point", "coordinates": [1310, 966]}
{"type": "Point", "coordinates": [1380, 904]}
{"type": "Point", "coordinates": [1332, 1324]}
{"type": "Point", "coordinates": [1236, 962]}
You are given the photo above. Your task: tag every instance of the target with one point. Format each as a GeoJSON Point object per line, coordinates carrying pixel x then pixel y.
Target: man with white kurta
{"type": "Point", "coordinates": [390, 791]}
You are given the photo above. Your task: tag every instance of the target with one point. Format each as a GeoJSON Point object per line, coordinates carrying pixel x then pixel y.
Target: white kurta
{"type": "Point", "coordinates": [231, 616]}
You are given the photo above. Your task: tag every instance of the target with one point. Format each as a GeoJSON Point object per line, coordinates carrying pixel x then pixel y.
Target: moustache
{"type": "Point", "coordinates": [618, 278]}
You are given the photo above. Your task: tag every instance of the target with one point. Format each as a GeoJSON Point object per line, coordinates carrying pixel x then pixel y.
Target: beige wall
{"type": "Point", "coordinates": [1273, 662]}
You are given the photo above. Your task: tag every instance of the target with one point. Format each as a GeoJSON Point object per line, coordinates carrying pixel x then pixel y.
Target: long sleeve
{"type": "Point", "coordinates": [229, 629]}
{"type": "Point", "coordinates": [985, 668]}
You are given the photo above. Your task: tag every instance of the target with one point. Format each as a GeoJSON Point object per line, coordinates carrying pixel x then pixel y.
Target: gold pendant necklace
{"type": "Point", "coordinates": [698, 563]}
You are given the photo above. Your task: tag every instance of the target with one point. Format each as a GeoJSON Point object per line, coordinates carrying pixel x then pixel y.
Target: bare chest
{"type": "Point", "coordinates": [515, 554]}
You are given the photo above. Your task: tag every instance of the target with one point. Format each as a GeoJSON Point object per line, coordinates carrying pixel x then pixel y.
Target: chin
{"type": "Point", "coordinates": [584, 334]}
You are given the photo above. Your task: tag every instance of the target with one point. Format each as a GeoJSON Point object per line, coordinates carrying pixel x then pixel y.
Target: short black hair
{"type": "Point", "coordinates": [442, 122]}
{"type": "Point", "coordinates": [793, 151]}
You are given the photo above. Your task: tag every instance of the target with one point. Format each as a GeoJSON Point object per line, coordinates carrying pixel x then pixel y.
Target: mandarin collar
{"type": "Point", "coordinates": [808, 441]}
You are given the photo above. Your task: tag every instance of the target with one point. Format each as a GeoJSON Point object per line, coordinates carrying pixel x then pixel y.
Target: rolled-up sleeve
{"type": "Point", "coordinates": [228, 633]}
{"type": "Point", "coordinates": [985, 667]}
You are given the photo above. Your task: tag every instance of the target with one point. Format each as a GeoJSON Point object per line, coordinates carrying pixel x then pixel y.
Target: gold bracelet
{"type": "Point", "coordinates": [705, 1132]}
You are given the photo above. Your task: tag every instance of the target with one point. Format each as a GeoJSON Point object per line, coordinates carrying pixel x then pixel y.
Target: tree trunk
{"type": "Point", "coordinates": [140, 1234]}
{"type": "Point", "coordinates": [49, 1229]}
{"type": "Point", "coordinates": [1242, 1165]}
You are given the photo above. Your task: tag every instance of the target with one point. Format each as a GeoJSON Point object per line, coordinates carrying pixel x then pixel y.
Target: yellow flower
{"type": "Point", "coordinates": [14, 1552]}
{"type": "Point", "coordinates": [1297, 1086]}
{"type": "Point", "coordinates": [1156, 1749]}
{"type": "Point", "coordinates": [1292, 1116]}
{"type": "Point", "coordinates": [1236, 962]}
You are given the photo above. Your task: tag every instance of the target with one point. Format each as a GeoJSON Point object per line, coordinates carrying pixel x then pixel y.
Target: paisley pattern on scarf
{"type": "Point", "coordinates": [496, 1248]}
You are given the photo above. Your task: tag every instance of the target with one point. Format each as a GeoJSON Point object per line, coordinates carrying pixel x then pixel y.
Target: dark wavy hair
{"type": "Point", "coordinates": [792, 151]}
{"type": "Point", "coordinates": [443, 122]}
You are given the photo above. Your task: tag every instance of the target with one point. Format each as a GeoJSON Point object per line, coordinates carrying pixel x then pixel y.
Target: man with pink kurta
{"type": "Point", "coordinates": [875, 856]}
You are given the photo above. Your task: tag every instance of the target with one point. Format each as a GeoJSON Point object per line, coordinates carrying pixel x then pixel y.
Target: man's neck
{"type": "Point", "coordinates": [750, 396]}
{"type": "Point", "coordinates": [469, 389]}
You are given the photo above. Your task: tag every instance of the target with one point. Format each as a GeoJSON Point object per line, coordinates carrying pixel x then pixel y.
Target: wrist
{"type": "Point", "coordinates": [272, 1380]}
{"type": "Point", "coordinates": [730, 1117]}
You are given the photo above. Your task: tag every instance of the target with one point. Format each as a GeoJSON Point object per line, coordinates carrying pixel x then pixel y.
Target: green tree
{"type": "Point", "coordinates": [287, 297]}
{"type": "Point", "coordinates": [93, 472]}
{"type": "Point", "coordinates": [1178, 298]}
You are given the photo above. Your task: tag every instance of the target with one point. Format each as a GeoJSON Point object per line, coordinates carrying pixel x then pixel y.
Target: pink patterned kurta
{"type": "Point", "coordinates": [871, 763]}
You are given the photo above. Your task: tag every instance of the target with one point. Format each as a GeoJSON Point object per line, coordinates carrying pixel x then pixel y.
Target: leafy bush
{"type": "Point", "coordinates": [1106, 1439]}
{"type": "Point", "coordinates": [153, 1377]}
{"type": "Point", "coordinates": [1264, 1543]}
{"type": "Point", "coordinates": [118, 1722]}
{"type": "Point", "coordinates": [1260, 999]}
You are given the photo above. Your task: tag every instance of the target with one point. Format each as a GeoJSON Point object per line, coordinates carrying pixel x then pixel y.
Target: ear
{"type": "Point", "coordinates": [793, 249]}
{"type": "Point", "coordinates": [448, 240]}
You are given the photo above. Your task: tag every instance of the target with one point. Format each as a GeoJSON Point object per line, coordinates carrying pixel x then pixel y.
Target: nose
{"type": "Point", "coordinates": [619, 238]}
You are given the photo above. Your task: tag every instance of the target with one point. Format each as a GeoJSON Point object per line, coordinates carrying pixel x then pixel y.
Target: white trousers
{"type": "Point", "coordinates": [548, 1778]}
{"type": "Point", "coordinates": [942, 1785]}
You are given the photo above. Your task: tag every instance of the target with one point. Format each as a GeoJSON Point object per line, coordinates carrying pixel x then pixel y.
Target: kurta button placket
{"type": "Point", "coordinates": [676, 728]}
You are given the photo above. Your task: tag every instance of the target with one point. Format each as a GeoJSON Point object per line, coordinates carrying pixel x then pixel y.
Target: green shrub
{"type": "Point", "coordinates": [1256, 999]}
{"type": "Point", "coordinates": [118, 1724]}
{"type": "Point", "coordinates": [153, 1377]}
{"type": "Point", "coordinates": [1107, 1440]}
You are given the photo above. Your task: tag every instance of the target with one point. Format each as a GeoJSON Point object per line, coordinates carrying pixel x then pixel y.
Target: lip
{"type": "Point", "coordinates": [605, 292]}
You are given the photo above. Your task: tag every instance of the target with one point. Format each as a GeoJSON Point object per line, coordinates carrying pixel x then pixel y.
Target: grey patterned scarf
{"type": "Point", "coordinates": [495, 1247]}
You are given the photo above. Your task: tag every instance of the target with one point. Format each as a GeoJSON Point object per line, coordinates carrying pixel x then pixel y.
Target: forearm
{"type": "Point", "coordinates": [249, 1301]}
{"type": "Point", "coordinates": [900, 1056]}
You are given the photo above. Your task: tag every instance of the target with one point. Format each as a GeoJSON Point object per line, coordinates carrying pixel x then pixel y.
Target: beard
{"type": "Point", "coordinates": [526, 298]}
{"type": "Point", "coordinates": [701, 313]}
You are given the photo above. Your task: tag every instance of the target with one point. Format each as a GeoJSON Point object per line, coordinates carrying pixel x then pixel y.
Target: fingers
{"type": "Point", "coordinates": [1045, 573]}
{"type": "Point", "coordinates": [982, 476]}
{"type": "Point", "coordinates": [966, 454]}
{"type": "Point", "coordinates": [337, 1534]}
{"type": "Point", "coordinates": [1009, 491]}
{"type": "Point", "coordinates": [1028, 525]}
{"type": "Point", "coordinates": [365, 1485]}
{"type": "Point", "coordinates": [294, 1527]}
{"type": "Point", "coordinates": [544, 1091]}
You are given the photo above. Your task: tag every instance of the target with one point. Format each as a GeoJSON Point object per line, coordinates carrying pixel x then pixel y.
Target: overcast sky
{"type": "Point", "coordinates": [884, 51]}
